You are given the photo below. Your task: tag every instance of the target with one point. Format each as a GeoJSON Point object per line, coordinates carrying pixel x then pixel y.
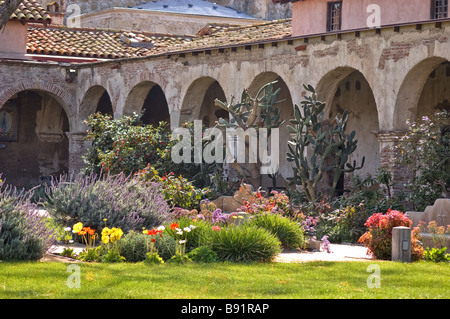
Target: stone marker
{"type": "Point", "coordinates": [401, 244]}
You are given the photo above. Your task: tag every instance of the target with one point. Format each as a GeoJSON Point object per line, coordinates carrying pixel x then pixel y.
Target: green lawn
{"type": "Point", "coordinates": [321, 280]}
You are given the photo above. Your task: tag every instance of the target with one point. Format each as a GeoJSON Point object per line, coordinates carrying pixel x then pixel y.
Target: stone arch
{"type": "Point", "coordinates": [59, 93]}
{"type": "Point", "coordinates": [35, 145]}
{"type": "Point", "coordinates": [198, 102]}
{"type": "Point", "coordinates": [418, 86]}
{"type": "Point", "coordinates": [346, 88]}
{"type": "Point", "coordinates": [96, 99]}
{"type": "Point", "coordinates": [148, 98]}
{"type": "Point", "coordinates": [286, 106]}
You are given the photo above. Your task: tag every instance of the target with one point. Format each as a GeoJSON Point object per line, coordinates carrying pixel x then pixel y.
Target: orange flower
{"type": "Point", "coordinates": [174, 226]}
{"type": "Point", "coordinates": [91, 231]}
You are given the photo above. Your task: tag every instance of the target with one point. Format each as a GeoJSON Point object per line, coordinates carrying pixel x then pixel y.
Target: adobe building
{"type": "Point", "coordinates": [383, 74]}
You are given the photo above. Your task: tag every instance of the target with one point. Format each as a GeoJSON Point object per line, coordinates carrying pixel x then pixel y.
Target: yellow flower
{"type": "Point", "coordinates": [77, 227]}
{"type": "Point", "coordinates": [105, 239]}
{"type": "Point", "coordinates": [105, 231]}
{"type": "Point", "coordinates": [118, 233]}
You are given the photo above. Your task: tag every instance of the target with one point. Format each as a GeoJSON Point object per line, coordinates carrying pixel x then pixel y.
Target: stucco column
{"type": "Point", "coordinates": [400, 174]}
{"type": "Point", "coordinates": [77, 148]}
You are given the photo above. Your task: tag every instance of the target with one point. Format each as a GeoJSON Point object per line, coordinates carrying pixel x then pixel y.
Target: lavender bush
{"type": "Point", "coordinates": [24, 233]}
{"type": "Point", "coordinates": [124, 202]}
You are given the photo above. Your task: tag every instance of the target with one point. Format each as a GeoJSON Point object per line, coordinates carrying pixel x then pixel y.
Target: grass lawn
{"type": "Point", "coordinates": [312, 280]}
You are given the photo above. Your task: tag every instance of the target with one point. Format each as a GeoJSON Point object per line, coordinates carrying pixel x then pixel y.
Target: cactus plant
{"type": "Point", "coordinates": [329, 145]}
{"type": "Point", "coordinates": [252, 112]}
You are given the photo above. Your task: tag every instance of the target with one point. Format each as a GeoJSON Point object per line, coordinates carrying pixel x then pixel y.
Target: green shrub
{"type": "Point", "coordinates": [177, 190]}
{"type": "Point", "coordinates": [203, 254]}
{"type": "Point", "coordinates": [245, 243]}
{"type": "Point", "coordinates": [135, 245]}
{"type": "Point", "coordinates": [289, 233]}
{"type": "Point", "coordinates": [126, 145]}
{"type": "Point", "coordinates": [436, 255]}
{"type": "Point", "coordinates": [24, 233]}
{"type": "Point", "coordinates": [123, 145]}
{"type": "Point", "coordinates": [125, 203]}
{"type": "Point", "coordinates": [197, 236]}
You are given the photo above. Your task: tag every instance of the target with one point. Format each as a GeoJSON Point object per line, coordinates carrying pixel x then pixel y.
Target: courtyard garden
{"type": "Point", "coordinates": [152, 227]}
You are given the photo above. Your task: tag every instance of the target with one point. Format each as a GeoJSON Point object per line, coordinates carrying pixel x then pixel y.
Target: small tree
{"type": "Point", "coordinates": [329, 143]}
{"type": "Point", "coordinates": [426, 148]}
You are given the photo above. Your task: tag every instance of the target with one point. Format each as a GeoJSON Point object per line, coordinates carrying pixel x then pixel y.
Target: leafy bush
{"type": "Point", "coordinates": [196, 233]}
{"type": "Point", "coordinates": [24, 233]}
{"type": "Point", "coordinates": [135, 245]}
{"type": "Point", "coordinates": [378, 238]}
{"type": "Point", "coordinates": [437, 255]}
{"type": "Point", "coordinates": [125, 202]}
{"type": "Point", "coordinates": [245, 243]}
{"type": "Point", "coordinates": [203, 254]}
{"type": "Point", "coordinates": [177, 191]}
{"type": "Point", "coordinates": [426, 147]}
{"type": "Point", "coordinates": [123, 145]}
{"type": "Point", "coordinates": [126, 145]}
{"type": "Point", "coordinates": [289, 233]}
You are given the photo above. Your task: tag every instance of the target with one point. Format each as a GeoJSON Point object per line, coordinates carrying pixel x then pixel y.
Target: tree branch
{"type": "Point", "coordinates": [7, 9]}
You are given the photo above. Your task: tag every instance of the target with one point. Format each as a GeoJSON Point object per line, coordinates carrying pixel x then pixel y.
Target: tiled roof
{"type": "Point", "coordinates": [30, 11]}
{"type": "Point", "coordinates": [113, 44]}
{"type": "Point", "coordinates": [97, 43]}
{"type": "Point", "coordinates": [216, 36]}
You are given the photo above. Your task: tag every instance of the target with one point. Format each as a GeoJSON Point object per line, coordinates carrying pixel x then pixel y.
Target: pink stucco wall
{"type": "Point", "coordinates": [310, 16]}
{"type": "Point", "coordinates": [13, 40]}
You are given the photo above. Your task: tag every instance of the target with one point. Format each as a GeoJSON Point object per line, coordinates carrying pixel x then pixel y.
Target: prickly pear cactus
{"type": "Point", "coordinates": [328, 145]}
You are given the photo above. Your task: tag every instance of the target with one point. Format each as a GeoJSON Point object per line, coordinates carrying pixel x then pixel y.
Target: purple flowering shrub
{"type": "Point", "coordinates": [125, 202]}
{"type": "Point", "coordinates": [24, 233]}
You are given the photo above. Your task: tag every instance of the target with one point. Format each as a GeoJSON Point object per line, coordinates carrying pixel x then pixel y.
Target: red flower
{"type": "Point", "coordinates": [152, 232]}
{"type": "Point", "coordinates": [153, 240]}
{"type": "Point", "coordinates": [174, 226]}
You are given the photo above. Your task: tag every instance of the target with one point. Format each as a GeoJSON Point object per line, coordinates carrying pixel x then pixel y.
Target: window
{"type": "Point", "coordinates": [334, 17]}
{"type": "Point", "coordinates": [439, 9]}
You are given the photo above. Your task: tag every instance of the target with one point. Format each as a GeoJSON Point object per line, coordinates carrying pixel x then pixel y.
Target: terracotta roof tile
{"type": "Point", "coordinates": [222, 35]}
{"type": "Point", "coordinates": [112, 44]}
{"type": "Point", "coordinates": [97, 43]}
{"type": "Point", "coordinates": [30, 11]}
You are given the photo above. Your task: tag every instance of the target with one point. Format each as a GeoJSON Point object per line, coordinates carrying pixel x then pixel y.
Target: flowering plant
{"type": "Point", "coordinates": [425, 147]}
{"type": "Point", "coordinates": [276, 202]}
{"type": "Point", "coordinates": [152, 256]}
{"type": "Point", "coordinates": [87, 234]}
{"type": "Point", "coordinates": [181, 239]}
{"type": "Point", "coordinates": [378, 238]}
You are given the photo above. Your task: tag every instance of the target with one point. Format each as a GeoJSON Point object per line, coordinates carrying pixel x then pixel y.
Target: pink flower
{"type": "Point", "coordinates": [216, 228]}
